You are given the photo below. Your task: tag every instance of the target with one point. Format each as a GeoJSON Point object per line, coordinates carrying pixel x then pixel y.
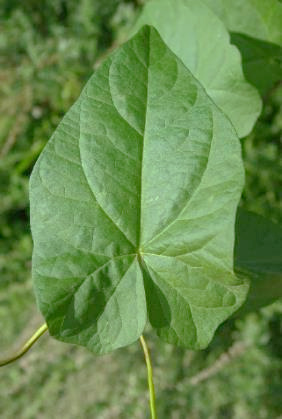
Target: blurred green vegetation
{"type": "Point", "coordinates": [262, 152]}
{"type": "Point", "coordinates": [48, 50]}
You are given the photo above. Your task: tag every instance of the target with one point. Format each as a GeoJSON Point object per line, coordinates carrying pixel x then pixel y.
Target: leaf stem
{"type": "Point", "coordinates": [28, 344]}
{"type": "Point", "coordinates": [150, 377]}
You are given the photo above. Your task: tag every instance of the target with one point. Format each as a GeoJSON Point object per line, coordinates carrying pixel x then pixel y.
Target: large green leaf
{"type": "Point", "coordinates": [258, 256]}
{"type": "Point", "coordinates": [255, 28]}
{"type": "Point", "coordinates": [133, 206]}
{"type": "Point", "coordinates": [198, 37]}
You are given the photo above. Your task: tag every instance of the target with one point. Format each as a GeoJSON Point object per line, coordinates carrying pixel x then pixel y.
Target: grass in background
{"type": "Point", "coordinates": [48, 51]}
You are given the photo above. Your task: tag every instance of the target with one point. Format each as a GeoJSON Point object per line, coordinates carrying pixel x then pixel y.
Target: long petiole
{"type": "Point", "coordinates": [42, 329]}
{"type": "Point", "coordinates": [150, 378]}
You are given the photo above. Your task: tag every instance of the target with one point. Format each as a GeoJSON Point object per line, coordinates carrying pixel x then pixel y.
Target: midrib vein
{"type": "Point", "coordinates": [143, 143]}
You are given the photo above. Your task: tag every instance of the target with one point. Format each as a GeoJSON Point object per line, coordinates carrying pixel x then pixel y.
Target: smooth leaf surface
{"type": "Point", "coordinates": [133, 205]}
{"type": "Point", "coordinates": [258, 256]}
{"type": "Point", "coordinates": [262, 61]}
{"type": "Point", "coordinates": [199, 38]}
{"type": "Point", "coordinates": [261, 19]}
{"type": "Point", "coordinates": [256, 29]}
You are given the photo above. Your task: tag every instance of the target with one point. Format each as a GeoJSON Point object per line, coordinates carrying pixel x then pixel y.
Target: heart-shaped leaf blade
{"type": "Point", "coordinates": [133, 205]}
